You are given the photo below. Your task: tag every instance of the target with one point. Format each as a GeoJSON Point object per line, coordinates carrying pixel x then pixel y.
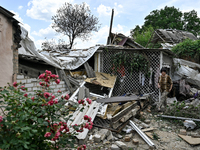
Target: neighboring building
{"type": "Point", "coordinates": [9, 41]}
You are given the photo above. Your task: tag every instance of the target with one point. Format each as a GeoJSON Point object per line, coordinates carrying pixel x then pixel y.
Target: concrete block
{"type": "Point", "coordinates": [114, 147]}
{"type": "Point", "coordinates": [29, 80]}
{"type": "Point", "coordinates": [29, 85]}
{"type": "Point", "coordinates": [20, 76]}
{"type": "Point", "coordinates": [121, 145]}
{"type": "Point", "coordinates": [22, 81]}
{"type": "Point", "coordinates": [135, 141]}
{"type": "Point", "coordinates": [29, 89]}
{"type": "Point", "coordinates": [97, 138]}
{"type": "Point", "coordinates": [104, 133]}
{"type": "Point", "coordinates": [183, 132]}
{"type": "Point", "coordinates": [110, 137]}
{"type": "Point", "coordinates": [59, 86]}
{"type": "Point", "coordinates": [52, 86]}
{"type": "Point", "coordinates": [62, 82]}
{"type": "Point", "coordinates": [147, 121]}
{"type": "Point", "coordinates": [63, 89]}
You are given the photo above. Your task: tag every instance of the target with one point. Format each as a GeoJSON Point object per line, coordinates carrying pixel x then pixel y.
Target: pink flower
{"type": "Point", "coordinates": [56, 101]}
{"type": "Point", "coordinates": [86, 117]}
{"type": "Point", "coordinates": [50, 102]}
{"type": "Point", "coordinates": [53, 139]}
{"type": "Point", "coordinates": [79, 101]}
{"type": "Point", "coordinates": [47, 80]}
{"type": "Point", "coordinates": [90, 127]}
{"type": "Point", "coordinates": [86, 125]}
{"type": "Point", "coordinates": [56, 76]}
{"type": "Point", "coordinates": [47, 85]}
{"type": "Point", "coordinates": [46, 94]}
{"type": "Point", "coordinates": [15, 84]}
{"type": "Point", "coordinates": [41, 83]}
{"type": "Point", "coordinates": [89, 119]}
{"type": "Point", "coordinates": [67, 97]}
{"type": "Point", "coordinates": [91, 123]}
{"type": "Point", "coordinates": [48, 72]}
{"type": "Point", "coordinates": [53, 76]}
{"type": "Point", "coordinates": [84, 146]}
{"type": "Point", "coordinates": [33, 98]}
{"type": "Point", "coordinates": [57, 81]}
{"type": "Point", "coordinates": [67, 129]}
{"type": "Point", "coordinates": [62, 128]}
{"type": "Point", "coordinates": [57, 134]}
{"type": "Point", "coordinates": [23, 88]}
{"type": "Point", "coordinates": [1, 119]}
{"type": "Point", "coordinates": [48, 134]}
{"type": "Point", "coordinates": [89, 101]}
{"type": "Point", "coordinates": [59, 91]}
{"type": "Point", "coordinates": [25, 95]}
{"type": "Point", "coordinates": [42, 76]}
{"type": "Point", "coordinates": [52, 97]}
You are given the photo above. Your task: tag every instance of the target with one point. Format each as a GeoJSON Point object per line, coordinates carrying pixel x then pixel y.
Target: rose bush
{"type": "Point", "coordinates": [36, 121]}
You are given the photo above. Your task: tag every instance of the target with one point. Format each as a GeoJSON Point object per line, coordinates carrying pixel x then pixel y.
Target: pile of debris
{"type": "Point", "coordinates": [110, 114]}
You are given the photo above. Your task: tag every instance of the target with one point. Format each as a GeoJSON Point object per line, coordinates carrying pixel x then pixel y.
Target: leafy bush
{"type": "Point", "coordinates": [37, 122]}
{"type": "Point", "coordinates": [188, 49]}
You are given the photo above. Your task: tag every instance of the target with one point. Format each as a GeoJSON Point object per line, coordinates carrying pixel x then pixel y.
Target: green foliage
{"type": "Point", "coordinates": [142, 36]}
{"type": "Point", "coordinates": [167, 18]}
{"type": "Point", "coordinates": [188, 49]}
{"type": "Point", "coordinates": [34, 122]}
{"type": "Point", "coordinates": [130, 61]}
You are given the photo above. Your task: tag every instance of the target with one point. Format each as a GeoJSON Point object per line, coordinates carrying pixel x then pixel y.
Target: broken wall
{"type": "Point", "coordinates": [33, 84]}
{"type": "Point", "coordinates": [6, 52]}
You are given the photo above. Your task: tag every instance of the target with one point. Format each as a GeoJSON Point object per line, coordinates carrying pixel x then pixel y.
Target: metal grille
{"type": "Point", "coordinates": [131, 82]}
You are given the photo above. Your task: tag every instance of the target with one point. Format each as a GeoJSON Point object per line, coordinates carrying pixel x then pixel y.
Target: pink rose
{"type": "Point", "coordinates": [86, 117]}
{"type": "Point", "coordinates": [25, 95]}
{"type": "Point", "coordinates": [15, 84]}
{"type": "Point", "coordinates": [48, 134]}
{"type": "Point", "coordinates": [62, 128]}
{"type": "Point", "coordinates": [23, 88]}
{"type": "Point", "coordinates": [84, 146]}
{"type": "Point", "coordinates": [1, 119]}
{"type": "Point", "coordinates": [46, 94]}
{"type": "Point", "coordinates": [56, 76]}
{"type": "Point", "coordinates": [57, 81]}
{"type": "Point", "coordinates": [33, 98]}
{"type": "Point", "coordinates": [86, 125]}
{"type": "Point", "coordinates": [56, 101]}
{"type": "Point", "coordinates": [41, 83]}
{"type": "Point", "coordinates": [67, 97]}
{"type": "Point", "coordinates": [57, 134]}
{"type": "Point", "coordinates": [50, 102]}
{"type": "Point", "coordinates": [89, 119]}
{"type": "Point", "coordinates": [52, 97]}
{"type": "Point", "coordinates": [90, 127]}
{"type": "Point", "coordinates": [89, 101]}
{"type": "Point", "coordinates": [59, 91]}
{"type": "Point", "coordinates": [79, 101]}
{"type": "Point", "coordinates": [42, 76]}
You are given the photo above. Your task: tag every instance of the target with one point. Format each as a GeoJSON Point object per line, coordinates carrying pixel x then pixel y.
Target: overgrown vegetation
{"type": "Point", "coordinates": [188, 49]}
{"type": "Point", "coordinates": [131, 62]}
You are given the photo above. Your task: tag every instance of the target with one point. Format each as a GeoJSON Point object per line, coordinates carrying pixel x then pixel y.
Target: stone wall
{"type": "Point", "coordinates": [33, 84]}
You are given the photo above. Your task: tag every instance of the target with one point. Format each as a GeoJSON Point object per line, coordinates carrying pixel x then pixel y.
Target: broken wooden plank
{"type": "Point", "coordinates": [190, 140]}
{"type": "Point", "coordinates": [69, 86]}
{"type": "Point", "coordinates": [73, 81]}
{"type": "Point", "coordinates": [89, 70]}
{"type": "Point", "coordinates": [104, 77]}
{"type": "Point", "coordinates": [122, 113]}
{"type": "Point", "coordinates": [118, 99]}
{"type": "Point", "coordinates": [81, 93]}
{"type": "Point", "coordinates": [108, 83]}
{"type": "Point", "coordinates": [148, 129]}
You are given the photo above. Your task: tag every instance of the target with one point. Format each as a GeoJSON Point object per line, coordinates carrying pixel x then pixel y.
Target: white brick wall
{"type": "Point", "coordinates": [33, 84]}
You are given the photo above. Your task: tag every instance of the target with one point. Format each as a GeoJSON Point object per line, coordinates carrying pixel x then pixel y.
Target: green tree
{"type": "Point", "coordinates": [167, 18]}
{"type": "Point", "coordinates": [191, 22]}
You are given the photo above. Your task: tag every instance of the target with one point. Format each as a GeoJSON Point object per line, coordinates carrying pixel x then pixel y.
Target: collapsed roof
{"type": "Point", "coordinates": [120, 39]}
{"type": "Point", "coordinates": [171, 36]}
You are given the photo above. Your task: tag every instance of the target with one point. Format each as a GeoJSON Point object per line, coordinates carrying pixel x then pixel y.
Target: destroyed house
{"type": "Point", "coordinates": [9, 41]}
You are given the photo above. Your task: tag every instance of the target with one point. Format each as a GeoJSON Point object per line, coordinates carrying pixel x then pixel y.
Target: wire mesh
{"type": "Point", "coordinates": [132, 82]}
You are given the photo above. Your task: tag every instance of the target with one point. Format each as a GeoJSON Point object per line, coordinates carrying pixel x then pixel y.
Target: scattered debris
{"type": "Point", "coordinates": [190, 140]}
{"type": "Point", "coordinates": [189, 124]}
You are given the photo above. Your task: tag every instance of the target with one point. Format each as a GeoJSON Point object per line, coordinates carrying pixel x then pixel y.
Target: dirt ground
{"type": "Point", "coordinates": [166, 130]}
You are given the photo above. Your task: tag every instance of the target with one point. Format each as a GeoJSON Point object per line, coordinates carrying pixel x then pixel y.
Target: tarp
{"type": "Point", "coordinates": [59, 59]}
{"type": "Point", "coordinates": [184, 71]}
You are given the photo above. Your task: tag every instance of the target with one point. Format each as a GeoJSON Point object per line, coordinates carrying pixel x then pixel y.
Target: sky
{"type": "Point", "coordinates": [35, 16]}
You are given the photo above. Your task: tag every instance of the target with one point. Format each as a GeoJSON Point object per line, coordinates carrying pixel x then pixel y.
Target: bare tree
{"type": "Point", "coordinates": [75, 21]}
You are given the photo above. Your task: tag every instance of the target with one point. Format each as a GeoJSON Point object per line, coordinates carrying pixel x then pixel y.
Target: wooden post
{"type": "Point", "coordinates": [111, 22]}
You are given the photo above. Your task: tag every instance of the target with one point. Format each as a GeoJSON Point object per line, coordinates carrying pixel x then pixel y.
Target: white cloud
{"type": "Point", "coordinates": [47, 32]}
{"type": "Point", "coordinates": [20, 7]}
{"type": "Point", "coordinates": [44, 9]}
{"type": "Point", "coordinates": [26, 26]}
{"type": "Point", "coordinates": [104, 10]}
